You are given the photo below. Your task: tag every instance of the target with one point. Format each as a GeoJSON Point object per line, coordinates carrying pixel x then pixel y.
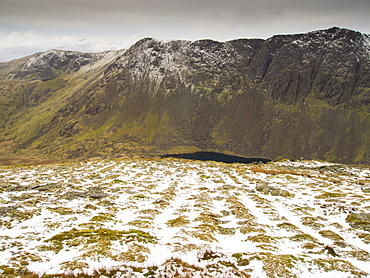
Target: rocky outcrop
{"type": "Point", "coordinates": [274, 191]}
{"type": "Point", "coordinates": [332, 64]}
{"type": "Point", "coordinates": [290, 96]}
{"type": "Point", "coordinates": [359, 221]}
{"type": "Point", "coordinates": [50, 64]}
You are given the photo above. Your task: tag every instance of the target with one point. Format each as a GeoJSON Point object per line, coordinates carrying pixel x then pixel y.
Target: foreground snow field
{"type": "Point", "coordinates": [181, 218]}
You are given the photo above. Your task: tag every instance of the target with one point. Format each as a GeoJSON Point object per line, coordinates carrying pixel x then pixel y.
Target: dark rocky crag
{"type": "Point", "coordinates": [290, 96]}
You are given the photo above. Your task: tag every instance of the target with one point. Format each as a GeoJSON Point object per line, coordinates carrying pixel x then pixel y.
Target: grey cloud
{"type": "Point", "coordinates": [187, 19]}
{"type": "Point", "coordinates": [125, 10]}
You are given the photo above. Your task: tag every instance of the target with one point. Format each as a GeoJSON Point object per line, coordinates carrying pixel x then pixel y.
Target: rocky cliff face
{"type": "Point", "coordinates": [292, 96]}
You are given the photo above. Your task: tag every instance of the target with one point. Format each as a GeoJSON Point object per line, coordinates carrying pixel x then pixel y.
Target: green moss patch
{"type": "Point", "coordinates": [261, 238]}
{"type": "Point", "coordinates": [142, 224]}
{"type": "Point", "coordinates": [330, 195]}
{"type": "Point", "coordinates": [339, 265]}
{"type": "Point", "coordinates": [365, 237]}
{"type": "Point", "coordinates": [103, 217]}
{"type": "Point", "coordinates": [103, 236]}
{"type": "Point", "coordinates": [303, 237]}
{"type": "Point", "coordinates": [288, 226]}
{"type": "Point", "coordinates": [278, 265]}
{"type": "Point", "coordinates": [62, 210]}
{"type": "Point", "coordinates": [312, 222]}
{"type": "Point", "coordinates": [331, 235]}
{"type": "Point", "coordinates": [178, 222]}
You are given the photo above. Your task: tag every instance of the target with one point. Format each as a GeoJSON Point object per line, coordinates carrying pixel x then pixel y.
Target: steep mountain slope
{"type": "Point", "coordinates": [289, 96]}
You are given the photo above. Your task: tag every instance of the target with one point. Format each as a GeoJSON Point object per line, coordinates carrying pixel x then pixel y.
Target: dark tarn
{"type": "Point", "coordinates": [219, 157]}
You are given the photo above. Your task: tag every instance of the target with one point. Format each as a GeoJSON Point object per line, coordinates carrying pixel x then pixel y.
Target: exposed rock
{"type": "Point", "coordinates": [359, 221]}
{"type": "Point", "coordinates": [226, 231]}
{"type": "Point", "coordinates": [70, 195]}
{"type": "Point", "coordinates": [92, 192]}
{"type": "Point", "coordinates": [330, 250]}
{"type": "Point", "coordinates": [50, 64]}
{"type": "Point", "coordinates": [5, 210]}
{"type": "Point", "coordinates": [96, 193]}
{"type": "Point", "coordinates": [267, 189]}
{"type": "Point", "coordinates": [47, 187]}
{"type": "Point", "coordinates": [69, 129]}
{"type": "Point", "coordinates": [19, 188]}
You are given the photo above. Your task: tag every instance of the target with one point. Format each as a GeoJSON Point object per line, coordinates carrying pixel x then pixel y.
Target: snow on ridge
{"type": "Point", "coordinates": [366, 39]}
{"type": "Point", "coordinates": [154, 58]}
{"type": "Point", "coordinates": [103, 59]}
{"type": "Point", "coordinates": [366, 42]}
{"type": "Point", "coordinates": [61, 58]}
{"type": "Point", "coordinates": [43, 58]}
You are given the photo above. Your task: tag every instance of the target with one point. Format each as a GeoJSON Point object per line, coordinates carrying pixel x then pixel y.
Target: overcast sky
{"type": "Point", "coordinates": [29, 26]}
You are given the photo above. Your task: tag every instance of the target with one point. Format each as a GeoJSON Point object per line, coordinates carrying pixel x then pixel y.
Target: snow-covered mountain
{"type": "Point", "coordinates": [290, 96]}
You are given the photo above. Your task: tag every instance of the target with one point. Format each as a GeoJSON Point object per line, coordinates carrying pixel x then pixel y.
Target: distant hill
{"type": "Point", "coordinates": [290, 96]}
